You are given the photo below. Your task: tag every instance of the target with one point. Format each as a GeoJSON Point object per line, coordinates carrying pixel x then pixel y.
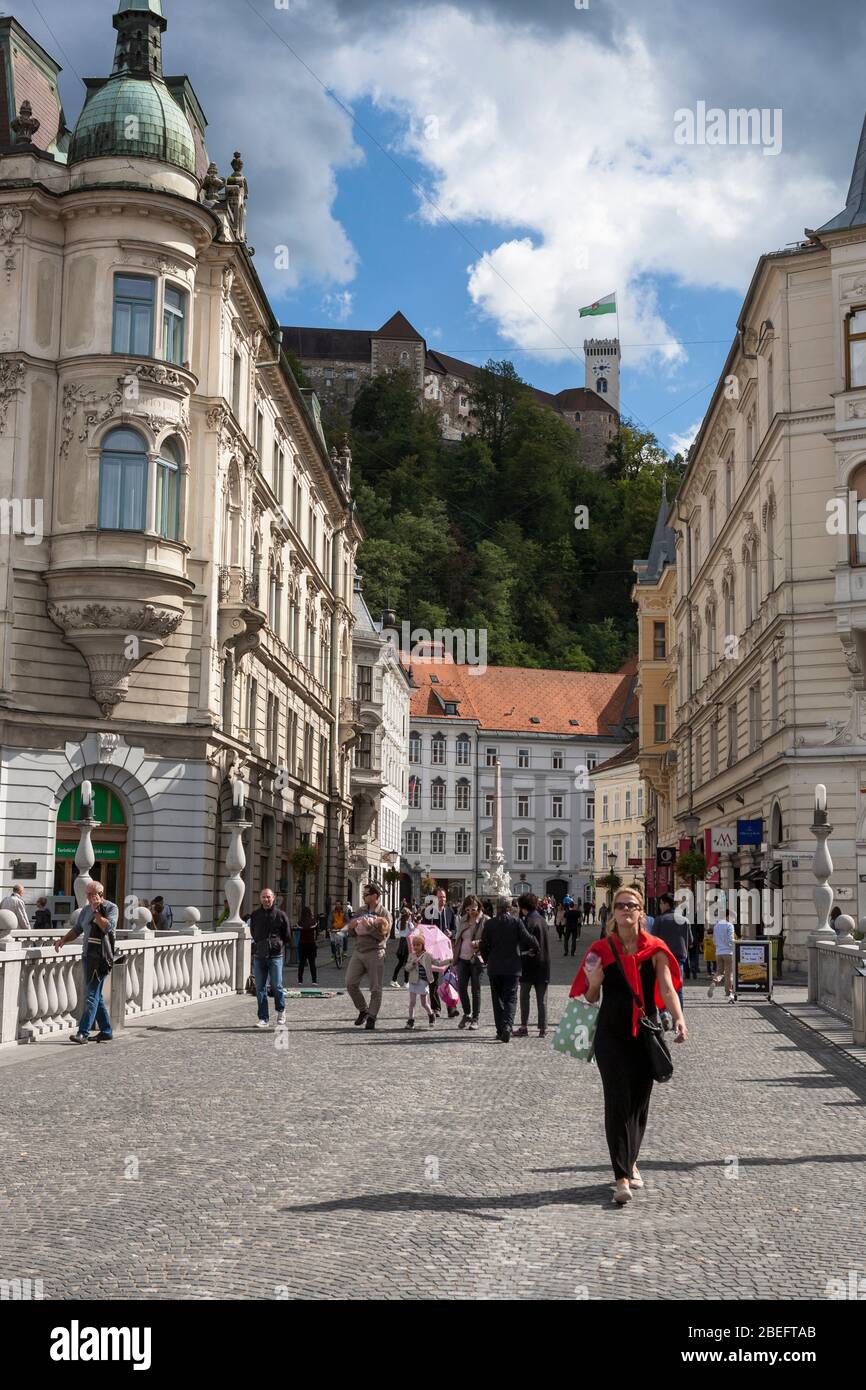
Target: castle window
{"type": "Point", "coordinates": [132, 330]}
{"type": "Point", "coordinates": [601, 386]}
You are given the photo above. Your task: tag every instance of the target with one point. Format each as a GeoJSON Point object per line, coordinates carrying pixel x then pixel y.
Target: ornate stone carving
{"type": "Point", "coordinates": [11, 219]}
{"type": "Point", "coordinates": [113, 638]}
{"type": "Point", "coordinates": [108, 745]}
{"type": "Point", "coordinates": [728, 564]}
{"type": "Point", "coordinates": [855, 410]}
{"type": "Point", "coordinates": [11, 382]}
{"type": "Point", "coordinates": [25, 124]}
{"type": "Point", "coordinates": [159, 374]}
{"type": "Point", "coordinates": [97, 406]}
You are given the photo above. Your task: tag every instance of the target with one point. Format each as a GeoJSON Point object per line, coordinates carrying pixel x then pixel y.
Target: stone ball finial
{"type": "Point", "coordinates": [8, 922]}
{"type": "Point", "coordinates": [845, 927]}
{"type": "Point", "coordinates": [191, 916]}
{"type": "Point", "coordinates": [142, 917]}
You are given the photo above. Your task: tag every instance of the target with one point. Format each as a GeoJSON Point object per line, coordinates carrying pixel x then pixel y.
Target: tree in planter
{"type": "Point", "coordinates": [305, 860]}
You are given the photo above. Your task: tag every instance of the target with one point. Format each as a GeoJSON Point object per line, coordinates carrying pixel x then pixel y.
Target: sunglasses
{"type": "Point", "coordinates": [627, 907]}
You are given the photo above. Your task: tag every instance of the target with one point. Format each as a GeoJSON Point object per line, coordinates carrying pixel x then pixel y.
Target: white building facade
{"type": "Point", "coordinates": [381, 694]}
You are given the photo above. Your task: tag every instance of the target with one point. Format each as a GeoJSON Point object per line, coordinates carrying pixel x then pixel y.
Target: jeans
{"type": "Point", "coordinates": [469, 977]}
{"type": "Point", "coordinates": [307, 956]}
{"type": "Point", "coordinates": [269, 970]}
{"type": "Point", "coordinates": [570, 934]}
{"type": "Point", "coordinates": [94, 1008]}
{"type": "Point", "coordinates": [682, 964]}
{"type": "Point", "coordinates": [526, 988]}
{"type": "Point", "coordinates": [503, 992]}
{"type": "Point", "coordinates": [402, 957]}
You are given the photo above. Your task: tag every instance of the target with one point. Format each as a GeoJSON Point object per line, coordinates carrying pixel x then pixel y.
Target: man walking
{"type": "Point", "coordinates": [99, 919]}
{"type": "Point", "coordinates": [723, 940]}
{"type": "Point", "coordinates": [14, 902]}
{"type": "Point", "coordinates": [676, 935]}
{"type": "Point", "coordinates": [446, 919]}
{"type": "Point", "coordinates": [163, 917]}
{"type": "Point", "coordinates": [571, 930]}
{"type": "Point", "coordinates": [503, 937]}
{"type": "Point", "coordinates": [371, 927]}
{"type": "Point", "coordinates": [269, 928]}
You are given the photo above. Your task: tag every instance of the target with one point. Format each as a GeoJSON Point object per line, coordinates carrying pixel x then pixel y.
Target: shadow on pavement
{"type": "Point", "coordinates": [449, 1203]}
{"type": "Point", "coordinates": [680, 1165]}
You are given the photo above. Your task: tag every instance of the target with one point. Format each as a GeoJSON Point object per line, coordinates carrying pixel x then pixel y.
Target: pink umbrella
{"type": "Point", "coordinates": [438, 944]}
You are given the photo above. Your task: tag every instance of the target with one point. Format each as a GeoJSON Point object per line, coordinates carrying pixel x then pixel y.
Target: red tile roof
{"type": "Point", "coordinates": [509, 697]}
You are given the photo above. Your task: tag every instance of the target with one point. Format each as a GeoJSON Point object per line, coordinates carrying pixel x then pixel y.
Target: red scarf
{"type": "Point", "coordinates": [646, 946]}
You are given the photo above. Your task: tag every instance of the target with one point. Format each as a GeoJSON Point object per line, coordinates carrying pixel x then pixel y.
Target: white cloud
{"type": "Point", "coordinates": [337, 305]}
{"type": "Point", "coordinates": [573, 144]}
{"type": "Point", "coordinates": [681, 443]}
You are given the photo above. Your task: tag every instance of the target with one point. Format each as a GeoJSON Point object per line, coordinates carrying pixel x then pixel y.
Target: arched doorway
{"type": "Point", "coordinates": [109, 843]}
{"type": "Point", "coordinates": [556, 888]}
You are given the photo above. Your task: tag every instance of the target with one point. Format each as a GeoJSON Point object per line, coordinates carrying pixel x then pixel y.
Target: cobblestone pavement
{"type": "Point", "coordinates": [193, 1158]}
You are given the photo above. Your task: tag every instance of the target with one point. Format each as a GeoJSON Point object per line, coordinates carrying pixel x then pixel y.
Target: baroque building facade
{"type": "Point", "coordinates": [340, 361]}
{"type": "Point", "coordinates": [770, 614]}
{"type": "Point", "coordinates": [547, 730]}
{"type": "Point", "coordinates": [381, 693]}
{"type": "Point", "coordinates": [620, 808]}
{"type": "Point", "coordinates": [180, 619]}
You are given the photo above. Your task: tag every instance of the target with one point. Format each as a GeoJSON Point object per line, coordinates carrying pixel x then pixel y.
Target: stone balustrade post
{"type": "Point", "coordinates": [192, 917]}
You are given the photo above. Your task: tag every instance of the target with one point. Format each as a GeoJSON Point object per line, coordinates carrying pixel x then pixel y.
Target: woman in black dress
{"type": "Point", "coordinates": [629, 959]}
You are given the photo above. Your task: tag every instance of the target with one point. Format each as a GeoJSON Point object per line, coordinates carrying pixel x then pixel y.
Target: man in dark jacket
{"type": "Point", "coordinates": [572, 926]}
{"type": "Point", "coordinates": [675, 934]}
{"type": "Point", "coordinates": [503, 938]}
{"type": "Point", "coordinates": [536, 969]}
{"type": "Point", "coordinates": [269, 929]}
{"type": "Point", "coordinates": [445, 918]}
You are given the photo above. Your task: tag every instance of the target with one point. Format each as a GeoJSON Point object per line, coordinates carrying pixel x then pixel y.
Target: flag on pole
{"type": "Point", "coordinates": [607, 305]}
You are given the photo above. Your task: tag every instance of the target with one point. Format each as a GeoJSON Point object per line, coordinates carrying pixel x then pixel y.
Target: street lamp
{"type": "Point", "coordinates": [611, 859]}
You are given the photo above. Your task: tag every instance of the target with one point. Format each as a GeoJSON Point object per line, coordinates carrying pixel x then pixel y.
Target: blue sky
{"type": "Point", "coordinates": [545, 135]}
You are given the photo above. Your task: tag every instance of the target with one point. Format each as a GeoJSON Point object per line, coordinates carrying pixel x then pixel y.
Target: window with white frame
{"type": "Point", "coordinates": [616, 805]}
{"type": "Point", "coordinates": [774, 695]}
{"type": "Point", "coordinates": [605, 806]}
{"type": "Point", "coordinates": [591, 762]}
{"type": "Point", "coordinates": [522, 855]}
{"type": "Point", "coordinates": [558, 759]}
{"type": "Point", "coordinates": [437, 795]}
{"type": "Point", "coordinates": [557, 806]}
{"type": "Point", "coordinates": [640, 799]}
{"type": "Point", "coordinates": [590, 852]}
{"type": "Point", "coordinates": [590, 808]}
{"type": "Point", "coordinates": [461, 842]}
{"type": "Point", "coordinates": [414, 793]}
{"type": "Point", "coordinates": [557, 850]}
{"type": "Point", "coordinates": [523, 805]}
{"type": "Point", "coordinates": [463, 794]}
{"type": "Point", "coordinates": [488, 846]}
{"type": "Point", "coordinates": [437, 841]}
{"type": "Point", "coordinates": [437, 749]}
{"type": "Point", "coordinates": [732, 734]}
{"type": "Point", "coordinates": [413, 841]}
{"type": "Point", "coordinates": [754, 714]}
{"type": "Point", "coordinates": [523, 757]}
{"type": "Point", "coordinates": [489, 798]}
{"type": "Point", "coordinates": [628, 803]}
{"type": "Point", "coordinates": [463, 750]}
{"type": "Point", "coordinates": [714, 748]}
{"type": "Point", "coordinates": [414, 748]}
{"type": "Point", "coordinates": [490, 757]}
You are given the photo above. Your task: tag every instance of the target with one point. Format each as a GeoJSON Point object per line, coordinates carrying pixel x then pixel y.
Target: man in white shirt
{"type": "Point", "coordinates": [723, 940]}
{"type": "Point", "coordinates": [14, 902]}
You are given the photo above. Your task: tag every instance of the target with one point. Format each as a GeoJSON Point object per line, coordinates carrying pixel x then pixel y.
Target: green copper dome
{"type": "Point", "coordinates": [137, 117]}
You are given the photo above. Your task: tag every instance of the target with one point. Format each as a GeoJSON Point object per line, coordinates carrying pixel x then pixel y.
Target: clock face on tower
{"type": "Point", "coordinates": [601, 368]}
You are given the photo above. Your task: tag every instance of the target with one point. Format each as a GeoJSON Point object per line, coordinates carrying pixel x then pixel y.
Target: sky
{"type": "Point", "coordinates": [490, 168]}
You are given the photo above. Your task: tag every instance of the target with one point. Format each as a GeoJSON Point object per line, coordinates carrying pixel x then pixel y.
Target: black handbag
{"type": "Point", "coordinates": [651, 1033]}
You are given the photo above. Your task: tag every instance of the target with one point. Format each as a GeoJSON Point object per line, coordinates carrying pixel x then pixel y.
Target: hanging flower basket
{"type": "Point", "coordinates": [692, 863]}
{"type": "Point", "coordinates": [611, 880]}
{"type": "Point", "coordinates": [428, 884]}
{"type": "Point", "coordinates": [305, 860]}
{"type": "Point", "coordinates": [391, 875]}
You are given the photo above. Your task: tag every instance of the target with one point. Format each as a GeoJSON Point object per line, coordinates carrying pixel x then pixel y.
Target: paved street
{"type": "Point", "coordinates": [355, 1164]}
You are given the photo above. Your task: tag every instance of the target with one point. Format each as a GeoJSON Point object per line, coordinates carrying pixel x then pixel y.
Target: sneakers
{"type": "Point", "coordinates": [712, 989]}
{"type": "Point", "coordinates": [362, 1018]}
{"type": "Point", "coordinates": [731, 999]}
{"type": "Point", "coordinates": [281, 1018]}
{"type": "Point", "coordinates": [621, 1195]}
{"type": "Point", "coordinates": [473, 1026]}
{"type": "Point", "coordinates": [464, 1022]}
{"type": "Point", "coordinates": [370, 1024]}
{"type": "Point", "coordinates": [105, 1037]}
{"type": "Point", "coordinates": [395, 984]}
{"type": "Point", "coordinates": [263, 1023]}
{"type": "Point", "coordinates": [77, 1038]}
{"type": "Point", "coordinates": [521, 1032]}
{"type": "Point", "coordinates": [410, 1023]}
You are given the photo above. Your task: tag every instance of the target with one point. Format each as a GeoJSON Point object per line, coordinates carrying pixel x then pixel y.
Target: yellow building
{"type": "Point", "coordinates": [620, 798]}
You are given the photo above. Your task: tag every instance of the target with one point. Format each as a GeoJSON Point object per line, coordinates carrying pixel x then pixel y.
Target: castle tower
{"type": "Point", "coordinates": [602, 368]}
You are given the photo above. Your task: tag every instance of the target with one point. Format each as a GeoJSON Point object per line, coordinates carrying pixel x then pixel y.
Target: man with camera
{"type": "Point", "coordinates": [269, 928]}
{"type": "Point", "coordinates": [99, 919]}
